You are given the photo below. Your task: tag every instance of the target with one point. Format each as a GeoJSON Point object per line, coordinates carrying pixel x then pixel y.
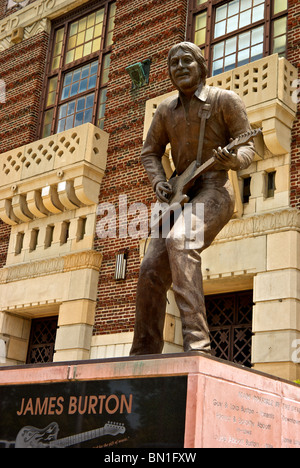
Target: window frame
{"type": "Point", "coordinates": [210, 6]}
{"type": "Point", "coordinates": [63, 69]}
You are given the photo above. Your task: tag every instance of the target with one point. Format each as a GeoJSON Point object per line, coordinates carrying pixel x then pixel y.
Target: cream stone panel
{"type": "Point", "coordinates": [283, 314]}
{"type": "Point", "coordinates": [13, 325]}
{"type": "Point", "coordinates": [281, 284]}
{"type": "Point", "coordinates": [283, 250]}
{"type": "Point", "coordinates": [280, 200]}
{"type": "Point", "coordinates": [66, 355]}
{"type": "Point", "coordinates": [17, 349]}
{"type": "Point", "coordinates": [82, 285]}
{"type": "Point", "coordinates": [242, 256]}
{"type": "Point", "coordinates": [77, 336]}
{"type": "Point", "coordinates": [74, 312]}
{"type": "Point", "coordinates": [284, 370]}
{"type": "Point", "coordinates": [275, 346]}
{"type": "Point", "coordinates": [113, 345]}
{"type": "Point", "coordinates": [20, 294]}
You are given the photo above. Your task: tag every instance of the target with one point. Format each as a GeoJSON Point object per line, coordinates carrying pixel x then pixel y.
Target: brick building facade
{"type": "Point", "coordinates": [74, 278]}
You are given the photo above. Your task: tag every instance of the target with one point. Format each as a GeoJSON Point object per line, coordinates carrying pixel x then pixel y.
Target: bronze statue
{"type": "Point", "coordinates": [195, 123]}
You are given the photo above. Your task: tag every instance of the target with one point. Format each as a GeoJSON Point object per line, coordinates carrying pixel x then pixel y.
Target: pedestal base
{"type": "Point", "coordinates": [186, 400]}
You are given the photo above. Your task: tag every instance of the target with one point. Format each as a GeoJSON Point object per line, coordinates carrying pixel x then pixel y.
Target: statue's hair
{"type": "Point", "coordinates": [195, 51]}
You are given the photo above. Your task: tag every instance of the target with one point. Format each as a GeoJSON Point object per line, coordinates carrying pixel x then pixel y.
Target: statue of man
{"type": "Point", "coordinates": [168, 261]}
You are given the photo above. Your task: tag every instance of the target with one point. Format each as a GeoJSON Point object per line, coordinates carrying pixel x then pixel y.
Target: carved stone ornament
{"type": "Point", "coordinates": [13, 3]}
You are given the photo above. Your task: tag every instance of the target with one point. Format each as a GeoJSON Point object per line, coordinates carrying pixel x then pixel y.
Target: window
{"type": "Point", "coordinates": [271, 187]}
{"type": "Point", "coordinates": [246, 189]}
{"type": "Point", "coordinates": [65, 231]}
{"type": "Point", "coordinates": [34, 239]}
{"type": "Point", "coordinates": [238, 32]}
{"type": "Point", "coordinates": [230, 322]}
{"type": "Point", "coordinates": [42, 340]}
{"type": "Point", "coordinates": [77, 70]}
{"type": "Point", "coordinates": [19, 243]}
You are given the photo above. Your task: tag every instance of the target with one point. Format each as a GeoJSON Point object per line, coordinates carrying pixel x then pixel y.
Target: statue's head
{"type": "Point", "coordinates": [187, 66]}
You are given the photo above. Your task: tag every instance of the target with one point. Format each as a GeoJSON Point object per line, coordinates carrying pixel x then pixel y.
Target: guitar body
{"type": "Point", "coordinates": [30, 437]}
{"type": "Point", "coordinates": [185, 181]}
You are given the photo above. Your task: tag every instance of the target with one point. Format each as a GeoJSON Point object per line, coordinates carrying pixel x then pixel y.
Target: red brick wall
{"type": "Point", "coordinates": [294, 57]}
{"type": "Point", "coordinates": [22, 68]}
{"type": "Point", "coordinates": [145, 29]}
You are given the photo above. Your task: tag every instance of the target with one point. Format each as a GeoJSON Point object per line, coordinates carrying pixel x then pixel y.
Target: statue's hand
{"type": "Point", "coordinates": [225, 158]}
{"type": "Point", "coordinates": [163, 191]}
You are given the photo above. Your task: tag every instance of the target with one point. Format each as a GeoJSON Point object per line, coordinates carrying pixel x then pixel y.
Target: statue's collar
{"type": "Point", "coordinates": [201, 93]}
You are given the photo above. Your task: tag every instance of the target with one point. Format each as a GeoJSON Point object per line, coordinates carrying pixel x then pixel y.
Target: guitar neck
{"type": "Point", "coordinates": [203, 168]}
{"type": "Point", "coordinates": [77, 439]}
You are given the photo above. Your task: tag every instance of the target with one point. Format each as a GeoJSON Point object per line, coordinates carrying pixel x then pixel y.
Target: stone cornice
{"type": "Point", "coordinates": [34, 18]}
{"type": "Point", "coordinates": [258, 225]}
{"type": "Point", "coordinates": [82, 260]}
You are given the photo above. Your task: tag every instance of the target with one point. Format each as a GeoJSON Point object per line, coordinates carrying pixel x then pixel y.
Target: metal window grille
{"type": "Point", "coordinates": [230, 321]}
{"type": "Point", "coordinates": [42, 340]}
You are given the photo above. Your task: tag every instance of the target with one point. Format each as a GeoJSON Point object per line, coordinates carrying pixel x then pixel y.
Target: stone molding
{"type": "Point", "coordinates": [81, 260]}
{"type": "Point", "coordinates": [261, 224]}
{"type": "Point", "coordinates": [34, 18]}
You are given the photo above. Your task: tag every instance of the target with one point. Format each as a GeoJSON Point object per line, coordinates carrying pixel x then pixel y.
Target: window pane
{"type": "Point", "coordinates": [280, 5]}
{"type": "Point", "coordinates": [51, 91]}
{"type": "Point", "coordinates": [229, 62]}
{"type": "Point", "coordinates": [230, 46]}
{"type": "Point", "coordinates": [233, 8]}
{"type": "Point", "coordinates": [280, 26]}
{"type": "Point", "coordinates": [218, 50]}
{"type": "Point", "coordinates": [244, 40]}
{"type": "Point", "coordinates": [221, 13]}
{"type": "Point", "coordinates": [105, 69]}
{"type": "Point", "coordinates": [279, 45]}
{"type": "Point", "coordinates": [58, 43]}
{"type": "Point", "coordinates": [111, 25]}
{"type": "Point", "coordinates": [232, 24]}
{"type": "Point", "coordinates": [244, 19]}
{"type": "Point", "coordinates": [218, 67]}
{"type": "Point", "coordinates": [243, 57]}
{"type": "Point", "coordinates": [48, 117]}
{"type": "Point", "coordinates": [102, 108]}
{"type": "Point", "coordinates": [200, 28]}
{"type": "Point", "coordinates": [245, 4]}
{"type": "Point", "coordinates": [220, 29]}
{"type": "Point", "coordinates": [256, 52]}
{"type": "Point", "coordinates": [80, 80]}
{"type": "Point", "coordinates": [258, 13]}
{"type": "Point", "coordinates": [257, 35]}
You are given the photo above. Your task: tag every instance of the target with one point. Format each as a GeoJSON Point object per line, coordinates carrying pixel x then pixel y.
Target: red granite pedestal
{"type": "Point", "coordinates": [227, 405]}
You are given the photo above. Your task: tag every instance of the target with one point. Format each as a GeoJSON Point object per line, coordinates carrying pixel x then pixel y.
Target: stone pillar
{"type": "Point", "coordinates": [276, 314]}
{"type": "Point", "coordinates": [75, 328]}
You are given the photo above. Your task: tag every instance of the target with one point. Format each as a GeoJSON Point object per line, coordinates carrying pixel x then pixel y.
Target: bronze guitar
{"type": "Point", "coordinates": [184, 182]}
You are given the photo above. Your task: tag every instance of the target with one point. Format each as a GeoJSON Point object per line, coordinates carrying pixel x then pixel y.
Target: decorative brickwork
{"type": "Point", "coordinates": [22, 69]}
{"type": "Point", "coordinates": [144, 30]}
{"type": "Point", "coordinates": [293, 57]}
